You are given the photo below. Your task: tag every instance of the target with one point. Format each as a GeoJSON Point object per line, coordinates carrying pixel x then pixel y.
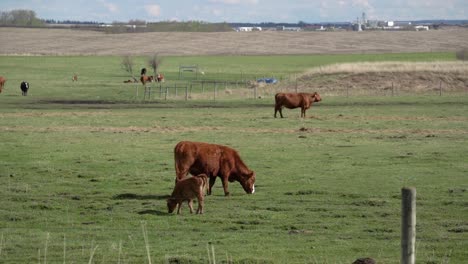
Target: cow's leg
{"type": "Point", "coordinates": [200, 204]}
{"type": "Point", "coordinates": [212, 182]}
{"type": "Point", "coordinates": [281, 112]}
{"type": "Point", "coordinates": [190, 205]}
{"type": "Point", "coordinates": [225, 186]}
{"type": "Point", "coordinates": [178, 207]}
{"type": "Point", "coordinates": [276, 110]}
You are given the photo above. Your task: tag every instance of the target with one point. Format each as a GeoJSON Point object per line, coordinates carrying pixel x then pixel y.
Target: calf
{"type": "Point", "coordinates": [187, 190]}
{"type": "Point", "coordinates": [24, 88]}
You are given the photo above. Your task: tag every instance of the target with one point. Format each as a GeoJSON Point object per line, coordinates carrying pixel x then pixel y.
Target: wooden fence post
{"type": "Point", "coordinates": [215, 90]}
{"type": "Point", "coordinates": [408, 225]}
{"type": "Point", "coordinates": [440, 88]}
{"type": "Point", "coordinates": [295, 77]}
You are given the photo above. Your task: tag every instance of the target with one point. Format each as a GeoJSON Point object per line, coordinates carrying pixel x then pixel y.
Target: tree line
{"type": "Point", "coordinates": [20, 18]}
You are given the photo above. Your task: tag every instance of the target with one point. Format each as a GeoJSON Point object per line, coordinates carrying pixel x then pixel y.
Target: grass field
{"type": "Point", "coordinates": [85, 171]}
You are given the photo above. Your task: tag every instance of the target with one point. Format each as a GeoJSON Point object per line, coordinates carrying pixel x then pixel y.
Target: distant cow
{"type": "Point", "coordinates": [215, 161]}
{"type": "Point", "coordinates": [24, 88]}
{"type": "Point", "coordinates": [75, 78]}
{"type": "Point", "coordinates": [160, 77]}
{"type": "Point", "coordinates": [295, 100]}
{"type": "Point", "coordinates": [187, 190]}
{"type": "Point", "coordinates": [145, 78]}
{"type": "Point", "coordinates": [2, 83]}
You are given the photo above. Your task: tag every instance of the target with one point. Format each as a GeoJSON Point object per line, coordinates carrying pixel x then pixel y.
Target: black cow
{"type": "Point", "coordinates": [24, 88]}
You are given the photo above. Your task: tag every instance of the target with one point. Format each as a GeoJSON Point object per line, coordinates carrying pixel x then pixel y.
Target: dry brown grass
{"type": "Point", "coordinates": [385, 78]}
{"type": "Point", "coordinates": [26, 41]}
{"type": "Point", "coordinates": [458, 67]}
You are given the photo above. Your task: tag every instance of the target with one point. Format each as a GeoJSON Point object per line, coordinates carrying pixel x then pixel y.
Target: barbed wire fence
{"type": "Point", "coordinates": [254, 89]}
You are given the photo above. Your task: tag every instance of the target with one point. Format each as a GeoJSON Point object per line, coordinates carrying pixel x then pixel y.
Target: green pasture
{"type": "Point", "coordinates": [98, 72]}
{"type": "Point", "coordinates": [85, 169]}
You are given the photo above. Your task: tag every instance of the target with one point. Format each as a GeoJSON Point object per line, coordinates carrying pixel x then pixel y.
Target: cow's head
{"type": "Point", "coordinates": [171, 205]}
{"type": "Point", "coordinates": [248, 182]}
{"type": "Point", "coordinates": [316, 97]}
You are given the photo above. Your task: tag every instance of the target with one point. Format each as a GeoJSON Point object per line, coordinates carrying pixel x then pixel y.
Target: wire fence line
{"type": "Point", "coordinates": [252, 89]}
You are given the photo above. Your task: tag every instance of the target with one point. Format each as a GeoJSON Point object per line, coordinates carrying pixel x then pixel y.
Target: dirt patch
{"type": "Point", "coordinates": [24, 41]}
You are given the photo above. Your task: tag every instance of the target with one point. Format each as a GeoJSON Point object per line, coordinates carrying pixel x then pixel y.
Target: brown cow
{"type": "Point", "coordinates": [145, 78]}
{"type": "Point", "coordinates": [295, 100]}
{"type": "Point", "coordinates": [215, 161]}
{"type": "Point", "coordinates": [2, 83]}
{"type": "Point", "coordinates": [75, 78]}
{"type": "Point", "coordinates": [187, 190]}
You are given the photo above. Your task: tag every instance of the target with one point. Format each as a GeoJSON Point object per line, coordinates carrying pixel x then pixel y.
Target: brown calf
{"type": "Point", "coordinates": [187, 190]}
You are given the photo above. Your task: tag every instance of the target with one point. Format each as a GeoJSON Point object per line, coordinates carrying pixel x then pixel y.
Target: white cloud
{"type": "Point", "coordinates": [153, 10]}
{"type": "Point", "coordinates": [110, 6]}
{"type": "Point", "coordinates": [362, 3]}
{"type": "Point", "coordinates": [217, 12]}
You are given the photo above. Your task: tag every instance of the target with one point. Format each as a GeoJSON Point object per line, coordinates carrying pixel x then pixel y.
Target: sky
{"type": "Point", "coordinates": [255, 11]}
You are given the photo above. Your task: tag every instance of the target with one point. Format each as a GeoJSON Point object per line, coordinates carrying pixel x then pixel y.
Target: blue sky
{"type": "Point", "coordinates": [241, 10]}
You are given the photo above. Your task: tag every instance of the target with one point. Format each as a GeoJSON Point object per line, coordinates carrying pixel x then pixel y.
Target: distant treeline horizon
{"type": "Point", "coordinates": [28, 18]}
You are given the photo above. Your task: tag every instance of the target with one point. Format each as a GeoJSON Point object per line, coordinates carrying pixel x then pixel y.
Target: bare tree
{"type": "Point", "coordinates": [127, 64]}
{"type": "Point", "coordinates": [154, 62]}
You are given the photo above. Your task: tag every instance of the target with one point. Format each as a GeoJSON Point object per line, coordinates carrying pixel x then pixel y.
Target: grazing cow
{"type": "Point", "coordinates": [24, 88]}
{"type": "Point", "coordinates": [160, 77]}
{"type": "Point", "coordinates": [2, 83]}
{"type": "Point", "coordinates": [187, 190]}
{"type": "Point", "coordinates": [295, 100]}
{"type": "Point", "coordinates": [215, 161]}
{"type": "Point", "coordinates": [145, 78]}
{"type": "Point", "coordinates": [75, 78]}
